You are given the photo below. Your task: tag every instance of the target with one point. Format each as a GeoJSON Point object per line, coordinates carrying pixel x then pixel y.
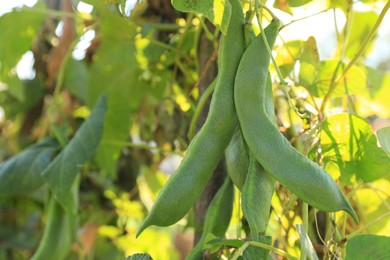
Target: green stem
{"type": "Point", "coordinates": [199, 109]}
{"type": "Point", "coordinates": [265, 246]}
{"type": "Point", "coordinates": [358, 54]}
{"type": "Point", "coordinates": [161, 26]}
{"type": "Point", "coordinates": [305, 220]}
{"type": "Point", "coordinates": [280, 76]}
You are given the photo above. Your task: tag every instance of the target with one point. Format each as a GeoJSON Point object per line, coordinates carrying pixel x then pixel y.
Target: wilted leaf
{"type": "Point", "coordinates": [61, 173]}
{"type": "Point", "coordinates": [349, 149]}
{"type": "Point", "coordinates": [363, 247]}
{"type": "Point", "coordinates": [21, 174]}
{"type": "Point", "coordinates": [217, 11]}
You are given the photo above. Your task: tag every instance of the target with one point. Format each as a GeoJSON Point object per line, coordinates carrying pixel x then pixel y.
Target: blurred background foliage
{"type": "Point", "coordinates": [58, 57]}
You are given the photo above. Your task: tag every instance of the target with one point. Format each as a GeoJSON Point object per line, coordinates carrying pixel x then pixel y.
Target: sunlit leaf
{"type": "Point", "coordinates": [306, 245]}
{"type": "Point", "coordinates": [61, 173]}
{"type": "Point", "coordinates": [384, 138]}
{"type": "Point", "coordinates": [21, 174]}
{"type": "Point", "coordinates": [217, 11]}
{"type": "Point", "coordinates": [349, 150]}
{"type": "Point", "coordinates": [362, 24]}
{"type": "Point", "coordinates": [375, 100]}
{"type": "Point", "coordinates": [18, 29]}
{"type": "Point", "coordinates": [287, 54]}
{"type": "Point", "coordinates": [319, 81]}
{"type": "Point", "coordinates": [364, 247]}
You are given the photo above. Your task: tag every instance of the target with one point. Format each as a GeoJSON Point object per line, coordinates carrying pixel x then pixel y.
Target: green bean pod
{"type": "Point", "coordinates": [217, 218]}
{"type": "Point", "coordinates": [58, 235]}
{"type": "Point", "coordinates": [291, 168]}
{"type": "Point", "coordinates": [187, 183]}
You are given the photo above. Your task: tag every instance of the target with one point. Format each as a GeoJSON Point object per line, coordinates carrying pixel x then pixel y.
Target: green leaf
{"type": "Point", "coordinates": [384, 138]}
{"type": "Point", "coordinates": [318, 81]}
{"type": "Point", "coordinates": [116, 72]}
{"type": "Point", "coordinates": [139, 257]}
{"type": "Point", "coordinates": [306, 245]}
{"type": "Point", "coordinates": [217, 11]}
{"type": "Point", "coordinates": [253, 252]}
{"type": "Point", "coordinates": [363, 247]}
{"type": "Point", "coordinates": [61, 173]}
{"type": "Point", "coordinates": [18, 29]}
{"type": "Point", "coordinates": [362, 24]}
{"type": "Point", "coordinates": [76, 78]}
{"type": "Point", "coordinates": [349, 150]}
{"type": "Point", "coordinates": [377, 94]}
{"type": "Point", "coordinates": [21, 174]}
{"type": "Point", "coordinates": [297, 3]}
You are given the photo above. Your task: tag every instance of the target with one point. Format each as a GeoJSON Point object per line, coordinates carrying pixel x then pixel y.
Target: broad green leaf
{"type": "Point", "coordinates": [62, 171]}
{"type": "Point", "coordinates": [217, 11]}
{"type": "Point", "coordinates": [116, 72]}
{"type": "Point", "coordinates": [76, 79]}
{"type": "Point", "coordinates": [18, 29]}
{"type": "Point", "coordinates": [21, 174]}
{"type": "Point", "coordinates": [306, 245]}
{"type": "Point", "coordinates": [318, 81]}
{"type": "Point", "coordinates": [362, 24]}
{"type": "Point", "coordinates": [384, 138]}
{"type": "Point", "coordinates": [297, 3]}
{"type": "Point", "coordinates": [363, 247]}
{"type": "Point", "coordinates": [350, 151]}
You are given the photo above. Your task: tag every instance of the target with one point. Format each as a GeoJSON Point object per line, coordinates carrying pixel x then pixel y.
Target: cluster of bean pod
{"type": "Point", "coordinates": [242, 114]}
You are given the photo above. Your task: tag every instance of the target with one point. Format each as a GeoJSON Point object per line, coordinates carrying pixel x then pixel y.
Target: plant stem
{"type": "Point", "coordinates": [358, 54]}
{"type": "Point", "coordinates": [199, 109]}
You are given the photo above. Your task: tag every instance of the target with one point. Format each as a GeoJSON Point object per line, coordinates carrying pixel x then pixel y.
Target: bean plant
{"type": "Point", "coordinates": [282, 151]}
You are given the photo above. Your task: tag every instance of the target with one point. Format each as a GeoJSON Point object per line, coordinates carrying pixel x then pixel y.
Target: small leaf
{"type": "Point", "coordinates": [384, 138]}
{"type": "Point", "coordinates": [363, 247]}
{"type": "Point", "coordinates": [139, 257]}
{"type": "Point", "coordinates": [21, 174]}
{"type": "Point", "coordinates": [217, 11]}
{"type": "Point", "coordinates": [76, 78]}
{"type": "Point", "coordinates": [61, 173]}
{"type": "Point", "coordinates": [306, 245]}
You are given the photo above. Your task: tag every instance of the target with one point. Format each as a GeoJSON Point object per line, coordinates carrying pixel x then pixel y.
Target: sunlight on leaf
{"type": "Point", "coordinates": [319, 81]}
{"type": "Point", "coordinates": [217, 11]}
{"type": "Point", "coordinates": [349, 150]}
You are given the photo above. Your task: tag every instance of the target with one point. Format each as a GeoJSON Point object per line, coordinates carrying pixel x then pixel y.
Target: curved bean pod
{"type": "Point", "coordinates": [291, 168]}
{"type": "Point", "coordinates": [185, 186]}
